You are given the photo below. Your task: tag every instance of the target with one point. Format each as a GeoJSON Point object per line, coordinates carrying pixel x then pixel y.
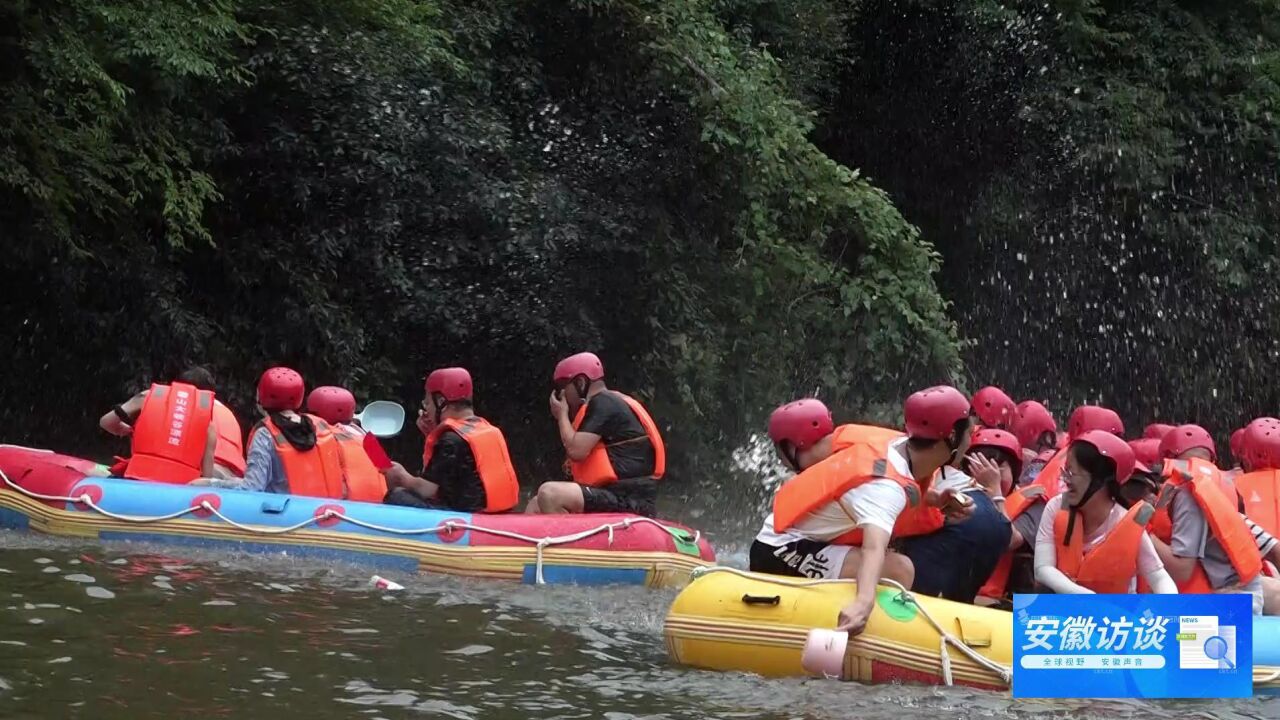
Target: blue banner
{"type": "Point", "coordinates": [1132, 646]}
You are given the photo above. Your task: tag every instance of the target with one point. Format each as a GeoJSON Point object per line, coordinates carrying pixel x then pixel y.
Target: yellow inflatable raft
{"type": "Point", "coordinates": [728, 619]}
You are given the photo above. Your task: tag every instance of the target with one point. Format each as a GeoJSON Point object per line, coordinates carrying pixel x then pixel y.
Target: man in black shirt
{"type": "Point", "coordinates": [615, 452]}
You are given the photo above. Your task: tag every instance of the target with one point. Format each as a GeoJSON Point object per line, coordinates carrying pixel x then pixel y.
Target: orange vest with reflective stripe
{"type": "Point", "coordinates": [595, 470]}
{"type": "Point", "coordinates": [316, 472]}
{"type": "Point", "coordinates": [1109, 566]}
{"type": "Point", "coordinates": [1204, 481]}
{"type": "Point", "coordinates": [170, 434]}
{"type": "Point", "coordinates": [862, 456]}
{"type": "Point", "coordinates": [1016, 503]}
{"type": "Point", "coordinates": [229, 452]}
{"type": "Point", "coordinates": [493, 461]}
{"type": "Point", "coordinates": [1260, 491]}
{"type": "Point", "coordinates": [364, 482]}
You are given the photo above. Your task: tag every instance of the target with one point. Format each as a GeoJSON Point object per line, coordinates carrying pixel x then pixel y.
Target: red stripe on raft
{"type": "Point", "coordinates": [883, 672]}
{"type": "Point", "coordinates": [642, 536]}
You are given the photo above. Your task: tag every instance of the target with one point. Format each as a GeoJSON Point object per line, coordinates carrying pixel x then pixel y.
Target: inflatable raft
{"type": "Point", "coordinates": [61, 495]}
{"type": "Point", "coordinates": [729, 619]}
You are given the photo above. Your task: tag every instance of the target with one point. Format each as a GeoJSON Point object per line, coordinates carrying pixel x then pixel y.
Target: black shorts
{"type": "Point", "coordinates": [638, 496]}
{"type": "Point", "coordinates": [799, 558]}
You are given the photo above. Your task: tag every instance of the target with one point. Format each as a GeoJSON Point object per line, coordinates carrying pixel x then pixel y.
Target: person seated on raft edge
{"type": "Point", "coordinates": [175, 436]}
{"type": "Point", "coordinates": [1087, 541]}
{"type": "Point", "coordinates": [1211, 547]}
{"type": "Point", "coordinates": [615, 452]}
{"type": "Point", "coordinates": [855, 487]}
{"type": "Point", "coordinates": [1037, 433]}
{"type": "Point", "coordinates": [465, 462]}
{"type": "Point", "coordinates": [337, 406]}
{"type": "Point", "coordinates": [995, 460]}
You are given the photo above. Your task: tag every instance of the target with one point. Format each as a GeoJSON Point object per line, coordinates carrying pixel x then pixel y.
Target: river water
{"type": "Point", "coordinates": [133, 631]}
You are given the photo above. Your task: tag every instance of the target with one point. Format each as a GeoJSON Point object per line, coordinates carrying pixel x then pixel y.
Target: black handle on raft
{"type": "Point", "coordinates": [762, 599]}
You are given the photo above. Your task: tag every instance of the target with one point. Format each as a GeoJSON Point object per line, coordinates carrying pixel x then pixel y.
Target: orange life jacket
{"type": "Point", "coordinates": [364, 482]}
{"type": "Point", "coordinates": [229, 452]}
{"type": "Point", "coordinates": [1260, 491]}
{"type": "Point", "coordinates": [170, 434]}
{"type": "Point", "coordinates": [316, 472]}
{"type": "Point", "coordinates": [1015, 504]}
{"type": "Point", "coordinates": [860, 454]}
{"type": "Point", "coordinates": [1110, 565]}
{"type": "Point", "coordinates": [595, 470]}
{"type": "Point", "coordinates": [1203, 480]}
{"type": "Point", "coordinates": [493, 461]}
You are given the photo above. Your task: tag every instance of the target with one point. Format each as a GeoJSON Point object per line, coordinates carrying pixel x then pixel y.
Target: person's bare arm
{"type": "Point", "coordinates": [112, 422]}
{"type": "Point", "coordinates": [853, 617]}
{"type": "Point", "coordinates": [210, 445]}
{"type": "Point", "coordinates": [577, 445]}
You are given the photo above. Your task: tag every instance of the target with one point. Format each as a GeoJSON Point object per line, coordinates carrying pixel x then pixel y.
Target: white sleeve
{"type": "Point", "coordinates": [1046, 555]}
{"type": "Point", "coordinates": [953, 478]}
{"type": "Point", "coordinates": [877, 503]}
{"type": "Point", "coordinates": [1150, 567]}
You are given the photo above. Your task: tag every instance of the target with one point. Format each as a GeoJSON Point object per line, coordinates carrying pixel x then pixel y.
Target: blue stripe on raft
{"type": "Point", "coordinates": [578, 575]}
{"type": "Point", "coordinates": [1266, 640]}
{"type": "Point", "coordinates": [127, 497]}
{"type": "Point", "coordinates": [358, 557]}
{"type": "Point", "coordinates": [14, 520]}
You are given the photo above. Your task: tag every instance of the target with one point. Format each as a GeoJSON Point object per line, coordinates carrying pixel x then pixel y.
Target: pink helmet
{"type": "Point", "coordinates": [1094, 417]}
{"type": "Point", "coordinates": [1113, 447]}
{"type": "Point", "coordinates": [995, 438]}
{"type": "Point", "coordinates": [1156, 431]}
{"type": "Point", "coordinates": [1261, 445]}
{"type": "Point", "coordinates": [933, 412]}
{"type": "Point", "coordinates": [801, 423]}
{"type": "Point", "coordinates": [280, 388]}
{"type": "Point", "coordinates": [451, 383]}
{"type": "Point", "coordinates": [1146, 451]}
{"type": "Point", "coordinates": [1184, 438]}
{"type": "Point", "coordinates": [583, 363]}
{"type": "Point", "coordinates": [333, 404]}
{"type": "Point", "coordinates": [994, 408]}
{"type": "Point", "coordinates": [1237, 444]}
{"type": "Point", "coordinates": [1031, 421]}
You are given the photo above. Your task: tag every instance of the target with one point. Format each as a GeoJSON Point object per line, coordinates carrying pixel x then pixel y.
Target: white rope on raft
{"type": "Point", "coordinates": [448, 526]}
{"type": "Point", "coordinates": [1004, 673]}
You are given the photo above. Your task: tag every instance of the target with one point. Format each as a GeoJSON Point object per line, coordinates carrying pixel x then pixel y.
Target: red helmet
{"type": "Point", "coordinates": [280, 388]}
{"type": "Point", "coordinates": [451, 383]}
{"type": "Point", "coordinates": [993, 407]}
{"type": "Point", "coordinates": [932, 413]}
{"type": "Point", "coordinates": [1237, 444]}
{"type": "Point", "coordinates": [1031, 421]}
{"type": "Point", "coordinates": [994, 438]}
{"type": "Point", "coordinates": [801, 423]}
{"type": "Point", "coordinates": [1261, 444]}
{"type": "Point", "coordinates": [1156, 431]}
{"type": "Point", "coordinates": [1146, 450]}
{"type": "Point", "coordinates": [583, 363]}
{"type": "Point", "coordinates": [1113, 447]}
{"type": "Point", "coordinates": [332, 404]}
{"type": "Point", "coordinates": [1184, 438]}
{"type": "Point", "coordinates": [1094, 417]}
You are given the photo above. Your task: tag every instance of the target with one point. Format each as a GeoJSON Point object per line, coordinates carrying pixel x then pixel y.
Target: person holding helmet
{"type": "Point", "coordinates": [855, 487]}
{"type": "Point", "coordinates": [1083, 419]}
{"type": "Point", "coordinates": [178, 432]}
{"type": "Point", "coordinates": [615, 452]}
{"type": "Point", "coordinates": [1211, 546]}
{"type": "Point", "coordinates": [337, 406]}
{"type": "Point", "coordinates": [996, 454]}
{"type": "Point", "coordinates": [292, 452]}
{"type": "Point", "coordinates": [994, 408]}
{"type": "Point", "coordinates": [1037, 433]}
{"type": "Point", "coordinates": [1087, 541]}
{"type": "Point", "coordinates": [465, 462]}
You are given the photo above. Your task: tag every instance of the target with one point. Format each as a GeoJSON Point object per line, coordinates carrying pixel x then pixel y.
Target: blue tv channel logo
{"type": "Point", "coordinates": [1132, 646]}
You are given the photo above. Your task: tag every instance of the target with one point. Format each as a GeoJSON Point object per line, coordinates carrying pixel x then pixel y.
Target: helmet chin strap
{"type": "Point", "coordinates": [438, 400]}
{"type": "Point", "coordinates": [1095, 485]}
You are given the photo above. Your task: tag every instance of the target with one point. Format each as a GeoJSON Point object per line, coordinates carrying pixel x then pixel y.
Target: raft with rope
{"type": "Point", "coordinates": [732, 620]}
{"type": "Point", "coordinates": [54, 494]}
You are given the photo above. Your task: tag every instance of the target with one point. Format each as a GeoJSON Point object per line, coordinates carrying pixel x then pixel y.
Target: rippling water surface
{"type": "Point", "coordinates": [130, 631]}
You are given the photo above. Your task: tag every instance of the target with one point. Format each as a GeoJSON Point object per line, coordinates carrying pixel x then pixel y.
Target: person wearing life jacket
{"type": "Point", "coordinates": [1087, 541]}
{"type": "Point", "coordinates": [1259, 487]}
{"type": "Point", "coordinates": [466, 465]}
{"type": "Point", "coordinates": [855, 487]}
{"type": "Point", "coordinates": [994, 408]}
{"type": "Point", "coordinates": [1211, 546]}
{"type": "Point", "coordinates": [997, 454]}
{"type": "Point", "coordinates": [1083, 419]}
{"type": "Point", "coordinates": [1037, 433]}
{"type": "Point", "coordinates": [292, 452]}
{"type": "Point", "coordinates": [337, 406]}
{"type": "Point", "coordinates": [179, 432]}
{"type": "Point", "coordinates": [615, 452]}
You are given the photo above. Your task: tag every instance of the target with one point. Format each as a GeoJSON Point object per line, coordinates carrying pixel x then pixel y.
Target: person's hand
{"type": "Point", "coordinates": [559, 408]}
{"type": "Point", "coordinates": [853, 618]}
{"type": "Point", "coordinates": [955, 507]}
{"type": "Point", "coordinates": [423, 423]}
{"type": "Point", "coordinates": [202, 482]}
{"type": "Point", "coordinates": [986, 472]}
